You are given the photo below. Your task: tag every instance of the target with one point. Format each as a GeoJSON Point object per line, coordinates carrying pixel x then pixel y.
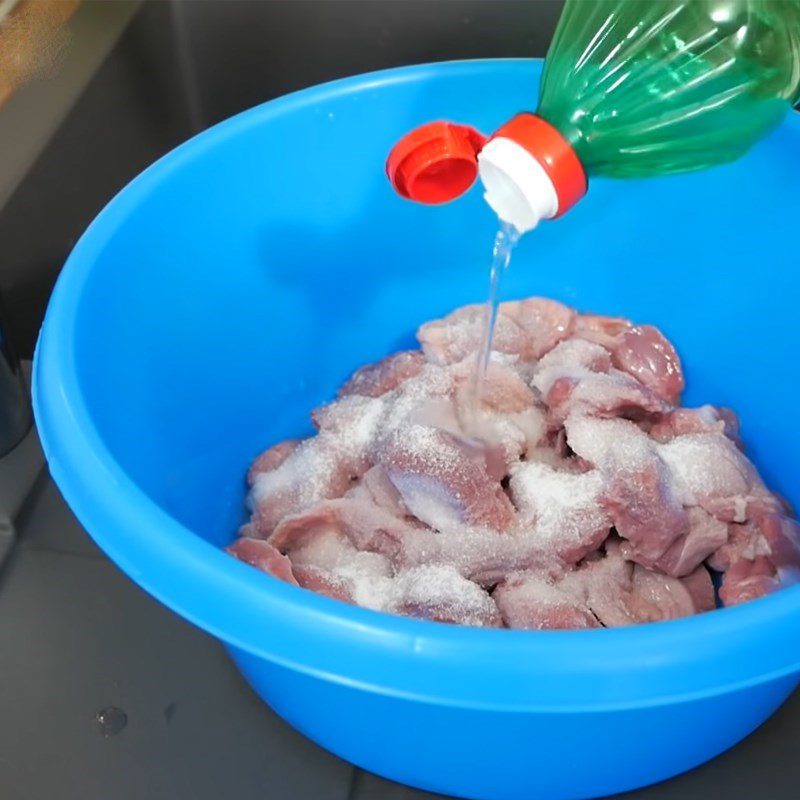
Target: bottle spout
{"type": "Point", "coordinates": [435, 163]}
{"type": "Point", "coordinates": [530, 172]}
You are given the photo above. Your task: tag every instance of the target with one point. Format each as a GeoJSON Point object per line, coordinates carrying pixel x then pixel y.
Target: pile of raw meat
{"type": "Point", "coordinates": [576, 494]}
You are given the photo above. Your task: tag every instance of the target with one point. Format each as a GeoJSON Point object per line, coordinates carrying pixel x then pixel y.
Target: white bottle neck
{"type": "Point", "coordinates": [517, 188]}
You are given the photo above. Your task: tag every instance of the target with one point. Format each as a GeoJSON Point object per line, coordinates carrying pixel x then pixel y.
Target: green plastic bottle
{"type": "Point", "coordinates": [630, 89]}
{"type": "Point", "coordinates": [650, 87]}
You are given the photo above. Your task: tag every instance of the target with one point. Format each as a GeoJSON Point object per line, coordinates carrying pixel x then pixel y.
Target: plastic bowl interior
{"type": "Point", "coordinates": [238, 281]}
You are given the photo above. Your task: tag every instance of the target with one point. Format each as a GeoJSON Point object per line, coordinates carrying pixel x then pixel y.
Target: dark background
{"type": "Point", "coordinates": [183, 65]}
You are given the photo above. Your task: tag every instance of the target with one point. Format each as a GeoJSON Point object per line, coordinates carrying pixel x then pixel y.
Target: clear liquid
{"type": "Point", "coordinates": [110, 721]}
{"type": "Point", "coordinates": [504, 243]}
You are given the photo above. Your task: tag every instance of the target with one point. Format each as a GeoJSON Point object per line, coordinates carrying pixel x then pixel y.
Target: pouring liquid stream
{"type": "Point", "coordinates": [504, 243]}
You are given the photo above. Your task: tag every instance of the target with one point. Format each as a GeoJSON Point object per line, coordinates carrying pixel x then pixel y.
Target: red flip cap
{"type": "Point", "coordinates": [435, 163]}
{"type": "Point", "coordinates": [546, 144]}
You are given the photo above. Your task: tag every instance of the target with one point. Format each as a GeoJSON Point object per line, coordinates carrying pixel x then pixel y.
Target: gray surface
{"type": "Point", "coordinates": [19, 470]}
{"type": "Point", "coordinates": [77, 637]}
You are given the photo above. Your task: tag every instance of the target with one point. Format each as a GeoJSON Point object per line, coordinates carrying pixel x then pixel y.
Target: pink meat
{"type": "Point", "coordinates": [709, 471]}
{"type": "Point", "coordinates": [365, 525]}
{"type": "Point", "coordinates": [323, 582]}
{"type": "Point", "coordinates": [458, 335]}
{"type": "Point", "coordinates": [737, 508]}
{"type": "Point", "coordinates": [607, 395]}
{"type": "Point", "coordinates": [446, 482]}
{"type": "Point", "coordinates": [655, 597]}
{"type": "Point", "coordinates": [569, 493]}
{"type": "Point", "coordinates": [748, 579]}
{"type": "Point", "coordinates": [760, 558]}
{"type": "Point", "coordinates": [332, 549]}
{"type": "Point", "coordinates": [271, 459]}
{"type": "Point", "coordinates": [744, 541]}
{"type": "Point", "coordinates": [783, 538]}
{"type": "Point", "coordinates": [706, 535]}
{"type": "Point", "coordinates": [502, 391]}
{"type": "Point", "coordinates": [530, 601]}
{"type": "Point", "coordinates": [573, 359]}
{"type": "Point", "coordinates": [701, 589]}
{"type": "Point", "coordinates": [638, 492]}
{"type": "Point", "coordinates": [485, 557]}
{"type": "Point", "coordinates": [577, 378]}
{"type": "Point", "coordinates": [607, 591]}
{"type": "Point", "coordinates": [508, 415]}
{"type": "Point", "coordinates": [645, 510]}
{"type": "Point", "coordinates": [376, 489]}
{"type": "Point", "coordinates": [355, 420]}
{"type": "Point", "coordinates": [562, 509]}
{"type": "Point", "coordinates": [545, 322]}
{"type": "Point", "coordinates": [640, 350]}
{"type": "Point", "coordinates": [555, 452]}
{"type": "Point", "coordinates": [643, 352]}
{"type": "Point", "coordinates": [440, 594]}
{"type": "Point", "coordinates": [621, 593]}
{"type": "Point", "coordinates": [605, 331]}
{"type": "Point", "coordinates": [261, 555]}
{"type": "Point", "coordinates": [706, 419]}
{"type": "Point", "coordinates": [375, 380]}
{"type": "Point", "coordinates": [315, 470]}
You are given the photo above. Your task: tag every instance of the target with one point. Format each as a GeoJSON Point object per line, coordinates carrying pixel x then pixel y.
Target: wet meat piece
{"type": "Point", "coordinates": [485, 557]}
{"type": "Point", "coordinates": [375, 380]}
{"type": "Point", "coordinates": [329, 548]}
{"type": "Point", "coordinates": [545, 322]}
{"type": "Point", "coordinates": [760, 558]}
{"type": "Point", "coordinates": [574, 359]}
{"type": "Point", "coordinates": [365, 525]}
{"type": "Point", "coordinates": [622, 593]}
{"type": "Point", "coordinates": [577, 378]}
{"type": "Point", "coordinates": [261, 555]}
{"type": "Point", "coordinates": [271, 459]}
{"type": "Point", "coordinates": [655, 597]}
{"type": "Point", "coordinates": [640, 350]}
{"type": "Point", "coordinates": [643, 352]}
{"type": "Point", "coordinates": [325, 583]}
{"type": "Point", "coordinates": [376, 489]}
{"type": "Point", "coordinates": [507, 413]}
{"type": "Point", "coordinates": [440, 594]}
{"type": "Point", "coordinates": [607, 395]}
{"type": "Point", "coordinates": [708, 470]}
{"type": "Point", "coordinates": [605, 331]}
{"type": "Point", "coordinates": [446, 482]}
{"type": "Point", "coordinates": [638, 492]}
{"type": "Point", "coordinates": [645, 511]}
{"type": "Point", "coordinates": [356, 420]}
{"type": "Point", "coordinates": [562, 509]}
{"type": "Point", "coordinates": [706, 419]}
{"type": "Point", "coordinates": [317, 469]}
{"type": "Point", "coordinates": [458, 335]}
{"type": "Point", "coordinates": [323, 467]}
{"type": "Point", "coordinates": [706, 535]}
{"type": "Point", "coordinates": [323, 546]}
{"type": "Point", "coordinates": [532, 602]}
{"type": "Point", "coordinates": [606, 591]}
{"type": "Point", "coordinates": [503, 390]}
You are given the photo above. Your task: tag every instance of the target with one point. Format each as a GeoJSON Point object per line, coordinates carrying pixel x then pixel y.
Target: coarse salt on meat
{"type": "Point", "coordinates": [562, 507]}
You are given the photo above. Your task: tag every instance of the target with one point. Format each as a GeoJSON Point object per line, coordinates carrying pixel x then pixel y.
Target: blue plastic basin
{"type": "Point", "coordinates": [234, 284]}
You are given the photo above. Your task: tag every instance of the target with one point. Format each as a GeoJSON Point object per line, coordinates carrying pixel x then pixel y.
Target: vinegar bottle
{"type": "Point", "coordinates": [630, 89]}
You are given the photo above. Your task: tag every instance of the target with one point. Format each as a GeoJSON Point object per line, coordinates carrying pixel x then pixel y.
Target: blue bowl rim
{"type": "Point", "coordinates": [701, 656]}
